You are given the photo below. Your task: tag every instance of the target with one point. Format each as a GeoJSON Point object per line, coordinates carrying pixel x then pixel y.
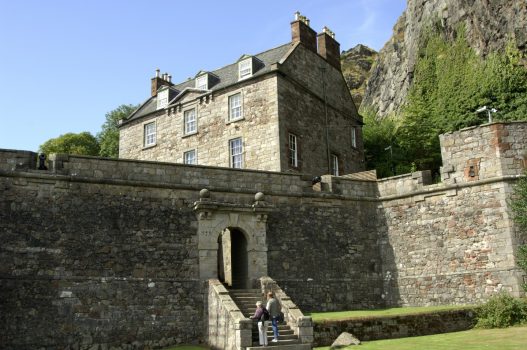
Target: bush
{"type": "Point", "coordinates": [502, 311]}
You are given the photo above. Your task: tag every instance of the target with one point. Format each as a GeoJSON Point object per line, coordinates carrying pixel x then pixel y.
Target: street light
{"type": "Point", "coordinates": [391, 158]}
{"type": "Point", "coordinates": [489, 110]}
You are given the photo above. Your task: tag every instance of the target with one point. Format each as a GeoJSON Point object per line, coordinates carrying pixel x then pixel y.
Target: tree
{"type": "Point", "coordinates": [82, 143]}
{"type": "Point", "coordinates": [108, 137]}
{"type": "Point", "coordinates": [450, 83]}
{"type": "Point", "coordinates": [519, 210]}
{"type": "Point", "coordinates": [381, 149]}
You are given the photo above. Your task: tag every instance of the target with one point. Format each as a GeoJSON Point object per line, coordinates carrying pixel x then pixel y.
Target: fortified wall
{"type": "Point", "coordinates": [106, 252]}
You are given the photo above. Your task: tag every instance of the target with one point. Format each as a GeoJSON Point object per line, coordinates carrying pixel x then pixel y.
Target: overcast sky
{"type": "Point", "coordinates": [65, 63]}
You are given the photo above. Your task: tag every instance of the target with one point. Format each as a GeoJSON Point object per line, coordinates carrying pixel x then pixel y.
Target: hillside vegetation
{"type": "Point", "coordinates": [451, 81]}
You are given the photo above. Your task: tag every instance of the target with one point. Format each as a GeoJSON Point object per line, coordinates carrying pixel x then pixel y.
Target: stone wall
{"type": "Point", "coordinates": [104, 252]}
{"type": "Point", "coordinates": [454, 242]}
{"type": "Point", "coordinates": [85, 263]}
{"type": "Point", "coordinates": [376, 328]}
{"type": "Point", "coordinates": [258, 129]}
{"type": "Point", "coordinates": [484, 152]}
{"type": "Point", "coordinates": [308, 90]}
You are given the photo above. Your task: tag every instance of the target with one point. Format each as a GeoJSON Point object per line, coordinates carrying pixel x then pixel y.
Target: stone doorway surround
{"type": "Point", "coordinates": [250, 219]}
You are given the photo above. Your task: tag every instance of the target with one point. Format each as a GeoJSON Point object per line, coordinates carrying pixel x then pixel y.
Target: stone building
{"type": "Point", "coordinates": [104, 253]}
{"type": "Point", "coordinates": [286, 109]}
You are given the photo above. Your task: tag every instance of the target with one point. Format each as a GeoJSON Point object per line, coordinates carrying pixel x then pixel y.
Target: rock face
{"type": "Point", "coordinates": [488, 23]}
{"type": "Point", "coordinates": [356, 65]}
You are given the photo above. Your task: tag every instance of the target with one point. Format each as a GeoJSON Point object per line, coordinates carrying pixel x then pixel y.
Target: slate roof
{"type": "Point", "coordinates": [227, 75]}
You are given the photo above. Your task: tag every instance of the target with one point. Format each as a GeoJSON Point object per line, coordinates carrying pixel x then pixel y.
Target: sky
{"type": "Point", "coordinates": [64, 64]}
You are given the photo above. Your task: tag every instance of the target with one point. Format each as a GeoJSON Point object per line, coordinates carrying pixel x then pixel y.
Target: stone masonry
{"type": "Point", "coordinates": [99, 253]}
{"type": "Point", "coordinates": [292, 89]}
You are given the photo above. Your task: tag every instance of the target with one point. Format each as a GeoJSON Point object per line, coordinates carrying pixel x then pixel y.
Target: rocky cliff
{"type": "Point", "coordinates": [488, 23]}
{"type": "Point", "coordinates": [356, 65]}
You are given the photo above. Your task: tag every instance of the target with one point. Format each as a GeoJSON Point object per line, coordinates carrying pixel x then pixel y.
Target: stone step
{"type": "Point", "coordinates": [276, 346]}
{"type": "Point", "coordinates": [281, 331]}
{"type": "Point", "coordinates": [282, 345]}
{"type": "Point", "coordinates": [246, 291]}
{"type": "Point", "coordinates": [281, 337]}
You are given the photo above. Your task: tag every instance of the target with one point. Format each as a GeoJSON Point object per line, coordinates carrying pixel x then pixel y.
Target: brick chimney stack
{"type": "Point", "coordinates": [329, 48]}
{"type": "Point", "coordinates": [159, 81]}
{"type": "Point", "coordinates": [302, 32]}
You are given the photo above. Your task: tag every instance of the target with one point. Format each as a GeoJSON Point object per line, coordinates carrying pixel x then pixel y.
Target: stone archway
{"type": "Point", "coordinates": [214, 218]}
{"type": "Point", "coordinates": [233, 261]}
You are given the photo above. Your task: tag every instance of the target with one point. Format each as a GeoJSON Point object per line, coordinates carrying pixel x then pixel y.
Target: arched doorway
{"type": "Point", "coordinates": [242, 259]}
{"type": "Point", "coordinates": [233, 258]}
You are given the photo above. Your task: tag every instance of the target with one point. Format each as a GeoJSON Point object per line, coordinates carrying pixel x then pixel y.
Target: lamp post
{"type": "Point", "coordinates": [391, 158]}
{"type": "Point", "coordinates": [489, 110]}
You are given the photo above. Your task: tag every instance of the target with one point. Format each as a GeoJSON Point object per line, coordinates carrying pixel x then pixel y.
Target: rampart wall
{"type": "Point", "coordinates": [104, 252]}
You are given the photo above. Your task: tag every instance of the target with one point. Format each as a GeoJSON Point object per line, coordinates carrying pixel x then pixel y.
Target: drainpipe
{"type": "Point", "coordinates": [326, 117]}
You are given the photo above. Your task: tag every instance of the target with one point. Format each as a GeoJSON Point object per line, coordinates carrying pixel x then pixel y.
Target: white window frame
{"type": "Point", "coordinates": [190, 126]}
{"type": "Point", "coordinates": [149, 134]}
{"type": "Point", "coordinates": [293, 150]}
{"type": "Point", "coordinates": [353, 137]}
{"type": "Point", "coordinates": [245, 68]}
{"type": "Point", "coordinates": [202, 82]}
{"type": "Point", "coordinates": [235, 107]}
{"type": "Point", "coordinates": [190, 157]}
{"type": "Point", "coordinates": [334, 165]}
{"type": "Point", "coordinates": [236, 153]}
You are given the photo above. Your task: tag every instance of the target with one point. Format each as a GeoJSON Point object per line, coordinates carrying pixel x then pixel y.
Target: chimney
{"type": "Point", "coordinates": [328, 47]}
{"type": "Point", "coordinates": [159, 81]}
{"type": "Point", "coordinates": [302, 32]}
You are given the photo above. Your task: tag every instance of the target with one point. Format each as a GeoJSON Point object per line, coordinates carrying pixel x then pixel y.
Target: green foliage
{"type": "Point", "coordinates": [519, 209]}
{"type": "Point", "coordinates": [519, 203]}
{"type": "Point", "coordinates": [82, 143]}
{"type": "Point", "coordinates": [108, 137]}
{"type": "Point", "coordinates": [450, 82]}
{"type": "Point", "coordinates": [379, 135]}
{"type": "Point", "coordinates": [501, 311]}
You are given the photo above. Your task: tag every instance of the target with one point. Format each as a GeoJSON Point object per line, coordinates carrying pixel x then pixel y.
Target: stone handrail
{"type": "Point", "coordinates": [300, 324]}
{"type": "Point", "coordinates": [228, 329]}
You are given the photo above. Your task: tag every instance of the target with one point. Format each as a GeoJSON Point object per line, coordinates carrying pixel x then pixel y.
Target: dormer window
{"type": "Point", "coordinates": [202, 82]}
{"type": "Point", "coordinates": [245, 68]}
{"type": "Point", "coordinates": [162, 99]}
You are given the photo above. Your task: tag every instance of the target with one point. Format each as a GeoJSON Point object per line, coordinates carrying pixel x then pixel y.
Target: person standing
{"type": "Point", "coordinates": [260, 315]}
{"type": "Point", "coordinates": [274, 310]}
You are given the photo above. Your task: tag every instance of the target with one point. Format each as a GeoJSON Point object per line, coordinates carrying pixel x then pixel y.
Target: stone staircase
{"type": "Point", "coordinates": [246, 300]}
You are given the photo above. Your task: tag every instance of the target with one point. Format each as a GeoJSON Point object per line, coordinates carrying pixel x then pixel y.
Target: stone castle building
{"type": "Point", "coordinates": [286, 109]}
{"type": "Point", "coordinates": [143, 253]}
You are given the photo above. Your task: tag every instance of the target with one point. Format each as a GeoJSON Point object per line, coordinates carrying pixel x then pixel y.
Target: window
{"type": "Point", "coordinates": [150, 134]}
{"type": "Point", "coordinates": [334, 165]}
{"type": "Point", "coordinates": [235, 107]}
{"type": "Point", "coordinates": [353, 137]}
{"type": "Point", "coordinates": [236, 150]}
{"type": "Point", "coordinates": [162, 99]}
{"type": "Point", "coordinates": [245, 68]}
{"type": "Point", "coordinates": [190, 157]}
{"type": "Point", "coordinates": [201, 82]}
{"type": "Point", "coordinates": [190, 121]}
{"type": "Point", "coordinates": [293, 151]}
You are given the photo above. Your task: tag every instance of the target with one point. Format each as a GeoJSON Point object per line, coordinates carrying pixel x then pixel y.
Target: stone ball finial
{"type": "Point", "coordinates": [259, 197]}
{"type": "Point", "coordinates": [204, 193]}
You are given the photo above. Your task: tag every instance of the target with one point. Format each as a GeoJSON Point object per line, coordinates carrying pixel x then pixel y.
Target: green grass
{"type": "Point", "coordinates": [513, 338]}
{"type": "Point", "coordinates": [187, 347]}
{"type": "Point", "coordinates": [398, 311]}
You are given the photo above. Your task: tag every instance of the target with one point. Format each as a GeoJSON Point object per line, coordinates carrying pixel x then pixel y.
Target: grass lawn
{"type": "Point", "coordinates": [513, 338]}
{"type": "Point", "coordinates": [396, 311]}
{"type": "Point", "coordinates": [187, 347]}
